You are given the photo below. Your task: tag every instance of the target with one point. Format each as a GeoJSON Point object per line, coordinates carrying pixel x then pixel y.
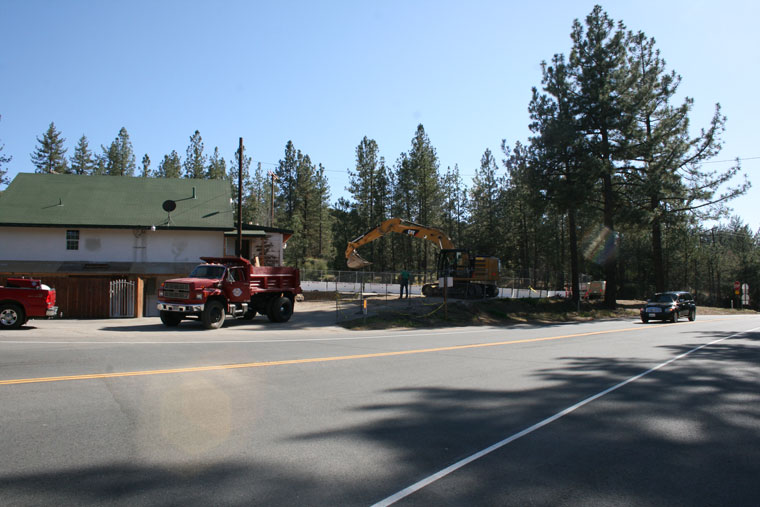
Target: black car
{"type": "Point", "coordinates": [669, 306]}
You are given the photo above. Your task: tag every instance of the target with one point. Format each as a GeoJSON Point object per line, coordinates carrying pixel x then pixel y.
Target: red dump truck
{"type": "Point", "coordinates": [231, 286]}
{"type": "Point", "coordinates": [25, 298]}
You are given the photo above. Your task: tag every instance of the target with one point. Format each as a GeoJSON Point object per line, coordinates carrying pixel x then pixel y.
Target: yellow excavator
{"type": "Point", "coordinates": [469, 276]}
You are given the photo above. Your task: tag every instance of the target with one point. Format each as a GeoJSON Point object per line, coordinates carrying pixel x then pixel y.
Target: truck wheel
{"type": "Point", "coordinates": [11, 316]}
{"type": "Point", "coordinates": [249, 315]}
{"type": "Point", "coordinates": [170, 319]}
{"type": "Point", "coordinates": [213, 315]}
{"type": "Point", "coordinates": [280, 309]}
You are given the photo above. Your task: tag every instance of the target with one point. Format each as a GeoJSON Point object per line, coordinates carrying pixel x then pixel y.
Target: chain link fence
{"type": "Point", "coordinates": [360, 293]}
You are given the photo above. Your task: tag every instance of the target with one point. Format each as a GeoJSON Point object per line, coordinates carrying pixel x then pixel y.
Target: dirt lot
{"type": "Point", "coordinates": [389, 311]}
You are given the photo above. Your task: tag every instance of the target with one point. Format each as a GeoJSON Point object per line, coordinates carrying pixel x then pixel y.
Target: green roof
{"type": "Point", "coordinates": [64, 200]}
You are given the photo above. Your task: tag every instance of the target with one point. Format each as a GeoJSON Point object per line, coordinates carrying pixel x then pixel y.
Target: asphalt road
{"type": "Point", "coordinates": [126, 412]}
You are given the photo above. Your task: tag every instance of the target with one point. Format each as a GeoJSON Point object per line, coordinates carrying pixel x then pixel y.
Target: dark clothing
{"type": "Point", "coordinates": [404, 280]}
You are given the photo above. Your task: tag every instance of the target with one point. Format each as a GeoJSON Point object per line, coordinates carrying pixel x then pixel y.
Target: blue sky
{"type": "Point", "coordinates": [325, 74]}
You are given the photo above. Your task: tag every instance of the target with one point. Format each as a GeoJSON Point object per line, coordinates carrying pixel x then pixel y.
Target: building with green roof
{"type": "Point", "coordinates": [74, 230]}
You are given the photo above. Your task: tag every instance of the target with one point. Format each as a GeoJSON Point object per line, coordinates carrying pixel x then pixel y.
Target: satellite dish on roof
{"type": "Point", "coordinates": [169, 205]}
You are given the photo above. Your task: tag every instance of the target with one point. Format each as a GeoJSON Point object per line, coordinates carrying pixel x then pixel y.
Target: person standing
{"type": "Point", "coordinates": [404, 279]}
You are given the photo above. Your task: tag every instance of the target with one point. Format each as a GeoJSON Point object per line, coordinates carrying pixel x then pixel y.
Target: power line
{"type": "Point", "coordinates": [732, 160]}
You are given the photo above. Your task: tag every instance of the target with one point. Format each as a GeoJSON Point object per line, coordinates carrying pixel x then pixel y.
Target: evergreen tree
{"type": "Point", "coordinates": [301, 205]}
{"type": "Point", "coordinates": [170, 166]}
{"type": "Point", "coordinates": [50, 155]}
{"type": "Point", "coordinates": [418, 194]}
{"type": "Point", "coordinates": [286, 174]}
{"type": "Point", "coordinates": [368, 186]}
{"type": "Point", "coordinates": [145, 171]}
{"type": "Point", "coordinates": [246, 179]}
{"type": "Point", "coordinates": [455, 205]}
{"type": "Point", "coordinates": [601, 105]}
{"type": "Point", "coordinates": [256, 202]}
{"type": "Point", "coordinates": [484, 207]}
{"type": "Point", "coordinates": [665, 177]}
{"type": "Point", "coordinates": [195, 160]}
{"type": "Point", "coordinates": [362, 182]}
{"type": "Point", "coordinates": [559, 168]}
{"type": "Point", "coordinates": [217, 167]}
{"type": "Point", "coordinates": [4, 159]}
{"type": "Point", "coordinates": [119, 156]}
{"type": "Point", "coordinates": [82, 162]}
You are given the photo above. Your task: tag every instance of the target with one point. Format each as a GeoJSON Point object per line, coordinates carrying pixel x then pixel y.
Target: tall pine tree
{"type": "Point", "coordinates": [170, 166]}
{"type": "Point", "coordinates": [82, 162]}
{"type": "Point", "coordinates": [50, 155]}
{"type": "Point", "coordinates": [119, 156]}
{"type": "Point", "coordinates": [195, 160]}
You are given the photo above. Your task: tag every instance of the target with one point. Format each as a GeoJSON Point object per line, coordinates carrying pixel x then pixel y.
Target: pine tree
{"type": "Point", "coordinates": [217, 167]}
{"type": "Point", "coordinates": [145, 171]}
{"type": "Point", "coordinates": [665, 177]}
{"type": "Point", "coordinates": [601, 89]}
{"type": "Point", "coordinates": [559, 167]}
{"type": "Point", "coordinates": [170, 166]}
{"type": "Point", "coordinates": [362, 181]}
{"type": "Point", "coordinates": [368, 187]}
{"type": "Point", "coordinates": [246, 177]}
{"type": "Point", "coordinates": [119, 156]}
{"type": "Point", "coordinates": [50, 155]}
{"type": "Point", "coordinates": [455, 205]}
{"type": "Point", "coordinates": [82, 162]}
{"type": "Point", "coordinates": [418, 193]}
{"type": "Point", "coordinates": [195, 160]}
{"type": "Point", "coordinates": [4, 159]}
{"type": "Point", "coordinates": [286, 174]}
{"type": "Point", "coordinates": [255, 200]}
{"type": "Point", "coordinates": [484, 209]}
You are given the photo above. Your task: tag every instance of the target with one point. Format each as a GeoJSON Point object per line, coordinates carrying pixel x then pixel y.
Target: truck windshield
{"type": "Point", "coordinates": [207, 271]}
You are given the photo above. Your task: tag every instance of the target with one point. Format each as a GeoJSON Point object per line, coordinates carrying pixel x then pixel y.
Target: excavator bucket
{"type": "Point", "coordinates": [355, 261]}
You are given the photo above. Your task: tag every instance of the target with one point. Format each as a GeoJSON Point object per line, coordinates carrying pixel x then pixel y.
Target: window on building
{"type": "Point", "coordinates": [72, 240]}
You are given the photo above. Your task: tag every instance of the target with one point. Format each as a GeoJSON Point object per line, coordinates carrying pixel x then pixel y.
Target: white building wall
{"type": "Point", "coordinates": [108, 245]}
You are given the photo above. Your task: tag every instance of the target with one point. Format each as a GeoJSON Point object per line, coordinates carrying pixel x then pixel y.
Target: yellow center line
{"type": "Point", "coordinates": [263, 364]}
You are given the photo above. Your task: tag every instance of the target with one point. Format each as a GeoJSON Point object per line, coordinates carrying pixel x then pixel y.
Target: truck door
{"type": "Point", "coordinates": [236, 285]}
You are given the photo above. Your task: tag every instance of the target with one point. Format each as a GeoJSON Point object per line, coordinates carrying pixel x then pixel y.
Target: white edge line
{"type": "Point", "coordinates": [417, 486]}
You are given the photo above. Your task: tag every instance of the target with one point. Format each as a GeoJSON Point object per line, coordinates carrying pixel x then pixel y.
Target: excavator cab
{"type": "Point", "coordinates": [454, 262]}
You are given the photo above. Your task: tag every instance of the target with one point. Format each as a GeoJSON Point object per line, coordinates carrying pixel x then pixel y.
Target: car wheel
{"type": "Point", "coordinates": [645, 319]}
{"type": "Point", "coordinates": [170, 319]}
{"type": "Point", "coordinates": [213, 315]}
{"type": "Point", "coordinates": [693, 315]}
{"type": "Point", "coordinates": [280, 309]}
{"type": "Point", "coordinates": [674, 318]}
{"type": "Point", "coordinates": [11, 316]}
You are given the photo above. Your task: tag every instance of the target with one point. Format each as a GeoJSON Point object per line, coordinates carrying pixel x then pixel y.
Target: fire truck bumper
{"type": "Point", "coordinates": [174, 307]}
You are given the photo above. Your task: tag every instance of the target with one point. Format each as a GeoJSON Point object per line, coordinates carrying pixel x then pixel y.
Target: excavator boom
{"type": "Point", "coordinates": [435, 236]}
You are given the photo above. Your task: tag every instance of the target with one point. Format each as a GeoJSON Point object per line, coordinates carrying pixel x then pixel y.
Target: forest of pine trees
{"type": "Point", "coordinates": [609, 186]}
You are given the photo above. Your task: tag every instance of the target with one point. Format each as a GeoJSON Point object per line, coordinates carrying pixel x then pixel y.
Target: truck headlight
{"type": "Point", "coordinates": [199, 296]}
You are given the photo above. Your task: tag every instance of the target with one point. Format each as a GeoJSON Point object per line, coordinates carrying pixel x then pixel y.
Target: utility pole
{"type": "Point", "coordinates": [271, 199]}
{"type": "Point", "coordinates": [239, 243]}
